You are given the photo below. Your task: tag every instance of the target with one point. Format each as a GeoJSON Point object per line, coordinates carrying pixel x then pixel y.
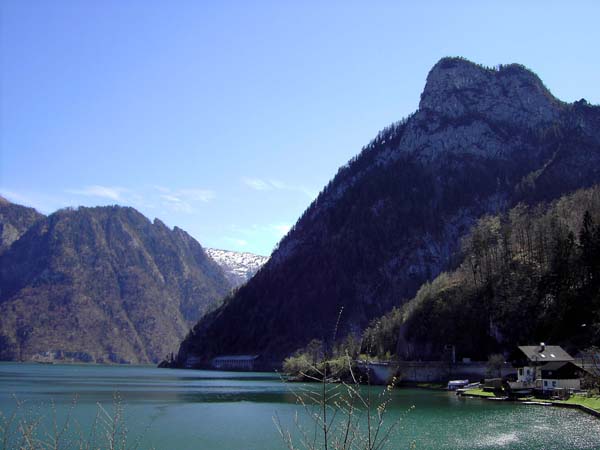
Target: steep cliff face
{"type": "Point", "coordinates": [481, 141]}
{"type": "Point", "coordinates": [15, 220]}
{"type": "Point", "coordinates": [105, 285]}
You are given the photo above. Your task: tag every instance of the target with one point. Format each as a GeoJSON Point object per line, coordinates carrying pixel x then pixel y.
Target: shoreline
{"type": "Point", "coordinates": [537, 402]}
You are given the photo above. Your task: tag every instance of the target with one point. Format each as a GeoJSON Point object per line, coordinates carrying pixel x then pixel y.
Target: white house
{"type": "Point", "coordinates": [559, 375]}
{"type": "Point", "coordinates": [546, 367]}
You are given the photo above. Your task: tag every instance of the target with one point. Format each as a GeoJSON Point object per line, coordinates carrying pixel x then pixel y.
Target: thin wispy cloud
{"type": "Point", "coordinates": [201, 195]}
{"type": "Point", "coordinates": [295, 188]}
{"type": "Point", "coordinates": [259, 184]}
{"type": "Point", "coordinates": [109, 192]}
{"type": "Point", "coordinates": [175, 200]}
{"type": "Point", "coordinates": [182, 200]}
{"type": "Point", "coordinates": [175, 203]}
{"type": "Point", "coordinates": [161, 188]}
{"type": "Point", "coordinates": [171, 198]}
{"type": "Point", "coordinates": [179, 206]}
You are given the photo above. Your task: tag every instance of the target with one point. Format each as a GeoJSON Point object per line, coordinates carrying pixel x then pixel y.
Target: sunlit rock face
{"type": "Point", "coordinates": [15, 220]}
{"type": "Point", "coordinates": [456, 87]}
{"type": "Point", "coordinates": [105, 285]}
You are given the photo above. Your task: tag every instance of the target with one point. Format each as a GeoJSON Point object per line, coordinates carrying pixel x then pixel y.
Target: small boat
{"type": "Point", "coordinates": [453, 385]}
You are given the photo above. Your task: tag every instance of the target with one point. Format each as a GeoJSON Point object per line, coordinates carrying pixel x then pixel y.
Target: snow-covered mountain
{"type": "Point", "coordinates": [239, 267]}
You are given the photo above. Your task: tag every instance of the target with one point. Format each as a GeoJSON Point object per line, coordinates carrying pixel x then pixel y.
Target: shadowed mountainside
{"type": "Point", "coordinates": [531, 274]}
{"type": "Point", "coordinates": [481, 141]}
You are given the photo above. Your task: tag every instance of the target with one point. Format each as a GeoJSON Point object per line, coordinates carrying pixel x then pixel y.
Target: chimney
{"type": "Point", "coordinates": [542, 347]}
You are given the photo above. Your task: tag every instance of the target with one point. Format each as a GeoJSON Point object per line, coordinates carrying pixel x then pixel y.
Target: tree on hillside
{"type": "Point", "coordinates": [495, 364]}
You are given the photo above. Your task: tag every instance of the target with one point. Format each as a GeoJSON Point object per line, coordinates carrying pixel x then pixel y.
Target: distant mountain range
{"type": "Point", "coordinates": [239, 267]}
{"type": "Point", "coordinates": [99, 285]}
{"type": "Point", "coordinates": [482, 141]}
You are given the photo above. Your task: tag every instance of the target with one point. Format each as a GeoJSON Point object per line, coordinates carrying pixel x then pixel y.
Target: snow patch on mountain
{"type": "Point", "coordinates": [239, 267]}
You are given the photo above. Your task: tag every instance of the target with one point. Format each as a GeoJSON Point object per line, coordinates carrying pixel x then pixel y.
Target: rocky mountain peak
{"type": "Point", "coordinates": [511, 93]}
{"type": "Point", "coordinates": [15, 220]}
{"type": "Point", "coordinates": [159, 223]}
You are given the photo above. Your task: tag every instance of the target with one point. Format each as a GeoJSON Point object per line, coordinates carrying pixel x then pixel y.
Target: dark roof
{"type": "Point", "coordinates": [236, 358]}
{"type": "Point", "coordinates": [551, 353]}
{"type": "Point", "coordinates": [554, 365]}
{"type": "Point", "coordinates": [561, 370]}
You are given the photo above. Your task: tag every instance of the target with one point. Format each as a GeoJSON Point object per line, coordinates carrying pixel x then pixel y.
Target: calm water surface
{"type": "Point", "coordinates": [185, 409]}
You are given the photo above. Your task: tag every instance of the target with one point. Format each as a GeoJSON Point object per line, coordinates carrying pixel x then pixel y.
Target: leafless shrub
{"type": "Point", "coordinates": [28, 427]}
{"type": "Point", "coordinates": [338, 413]}
{"type": "Point", "coordinates": [341, 415]}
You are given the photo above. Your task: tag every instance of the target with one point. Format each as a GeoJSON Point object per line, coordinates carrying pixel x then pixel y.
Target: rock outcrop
{"type": "Point", "coordinates": [15, 220]}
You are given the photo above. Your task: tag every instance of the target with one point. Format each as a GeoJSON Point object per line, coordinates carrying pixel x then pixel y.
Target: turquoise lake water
{"type": "Point", "coordinates": [191, 409]}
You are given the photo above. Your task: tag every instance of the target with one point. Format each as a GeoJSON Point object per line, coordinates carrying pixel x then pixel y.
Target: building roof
{"type": "Point", "coordinates": [236, 358]}
{"type": "Point", "coordinates": [546, 353]}
{"type": "Point", "coordinates": [561, 370]}
{"type": "Point", "coordinates": [552, 366]}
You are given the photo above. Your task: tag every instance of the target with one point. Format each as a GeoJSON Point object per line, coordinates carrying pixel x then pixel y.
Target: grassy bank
{"type": "Point", "coordinates": [478, 393]}
{"type": "Point", "coordinates": [588, 402]}
{"type": "Point", "coordinates": [431, 386]}
{"type": "Point", "coordinates": [591, 403]}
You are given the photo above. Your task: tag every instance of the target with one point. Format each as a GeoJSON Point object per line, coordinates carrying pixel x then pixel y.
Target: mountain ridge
{"type": "Point", "coordinates": [481, 141]}
{"type": "Point", "coordinates": [103, 284]}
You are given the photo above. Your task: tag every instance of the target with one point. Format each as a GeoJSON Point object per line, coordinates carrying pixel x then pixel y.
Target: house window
{"type": "Point", "coordinates": [545, 383]}
{"type": "Point", "coordinates": [554, 384]}
{"type": "Point", "coordinates": [520, 372]}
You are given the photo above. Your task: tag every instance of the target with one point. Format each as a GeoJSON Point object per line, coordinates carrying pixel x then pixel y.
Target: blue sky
{"type": "Point", "coordinates": [227, 118]}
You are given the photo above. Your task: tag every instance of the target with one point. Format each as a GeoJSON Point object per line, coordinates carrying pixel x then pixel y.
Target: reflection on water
{"type": "Point", "coordinates": [181, 409]}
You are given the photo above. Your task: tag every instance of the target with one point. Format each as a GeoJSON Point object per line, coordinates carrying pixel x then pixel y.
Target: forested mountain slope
{"type": "Point", "coordinates": [105, 285]}
{"type": "Point", "coordinates": [481, 141]}
{"type": "Point", "coordinates": [529, 275]}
